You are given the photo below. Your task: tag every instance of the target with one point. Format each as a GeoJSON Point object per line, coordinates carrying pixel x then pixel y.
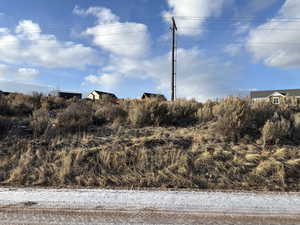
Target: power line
{"type": "Point", "coordinates": [12, 42]}
{"type": "Point", "coordinates": [234, 18]}
{"type": "Point", "coordinates": [117, 32]}
{"type": "Point", "coordinates": [225, 29]}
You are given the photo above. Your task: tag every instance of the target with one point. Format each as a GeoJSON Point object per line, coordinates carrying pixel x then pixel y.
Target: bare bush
{"type": "Point", "coordinates": [40, 121]}
{"type": "Point", "coordinates": [182, 112]}
{"type": "Point", "coordinates": [20, 105]}
{"type": "Point", "coordinates": [76, 117]}
{"type": "Point", "coordinates": [36, 99]}
{"type": "Point", "coordinates": [147, 112]}
{"type": "Point", "coordinates": [5, 125]}
{"type": "Point", "coordinates": [111, 112]}
{"type": "Point", "coordinates": [5, 109]}
{"type": "Point", "coordinates": [205, 113]}
{"type": "Point", "coordinates": [153, 112]}
{"type": "Point", "coordinates": [262, 111]}
{"type": "Point", "coordinates": [234, 117]}
{"type": "Point", "coordinates": [296, 122]}
{"type": "Point", "coordinates": [53, 103]}
{"type": "Point", "coordinates": [276, 131]}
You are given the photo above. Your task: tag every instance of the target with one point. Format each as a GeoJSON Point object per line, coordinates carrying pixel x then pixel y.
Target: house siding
{"type": "Point", "coordinates": [285, 96]}
{"type": "Point", "coordinates": [101, 95]}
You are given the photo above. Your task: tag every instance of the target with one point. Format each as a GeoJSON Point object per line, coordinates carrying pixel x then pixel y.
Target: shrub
{"type": "Point", "coordinates": [111, 113]}
{"type": "Point", "coordinates": [147, 112]}
{"type": "Point", "coordinates": [234, 117]}
{"type": "Point", "coordinates": [296, 121]}
{"type": "Point", "coordinates": [53, 103]}
{"type": "Point", "coordinates": [40, 121]}
{"type": "Point", "coordinates": [276, 131]}
{"type": "Point", "coordinates": [36, 99]}
{"type": "Point", "coordinates": [138, 115]}
{"type": "Point", "coordinates": [205, 113]}
{"type": "Point", "coordinates": [161, 113]}
{"type": "Point", "coordinates": [262, 111]}
{"type": "Point", "coordinates": [21, 105]}
{"type": "Point", "coordinates": [5, 125]}
{"type": "Point", "coordinates": [4, 107]}
{"type": "Point", "coordinates": [182, 112]}
{"type": "Point", "coordinates": [76, 117]}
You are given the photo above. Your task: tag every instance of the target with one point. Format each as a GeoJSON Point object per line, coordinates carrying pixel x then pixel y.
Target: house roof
{"type": "Point", "coordinates": [68, 93]}
{"type": "Point", "coordinates": [4, 93]}
{"type": "Point", "coordinates": [105, 93]}
{"type": "Point", "coordinates": [267, 93]}
{"type": "Point", "coordinates": [152, 95]}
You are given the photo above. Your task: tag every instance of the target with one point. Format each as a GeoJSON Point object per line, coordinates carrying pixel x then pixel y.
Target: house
{"type": "Point", "coordinates": [154, 96]}
{"type": "Point", "coordinates": [4, 93]}
{"type": "Point", "coordinates": [99, 95]}
{"type": "Point", "coordinates": [66, 95]}
{"type": "Point", "coordinates": [277, 96]}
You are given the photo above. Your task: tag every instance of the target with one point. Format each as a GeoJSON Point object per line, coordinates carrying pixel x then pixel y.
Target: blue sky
{"type": "Point", "coordinates": [225, 47]}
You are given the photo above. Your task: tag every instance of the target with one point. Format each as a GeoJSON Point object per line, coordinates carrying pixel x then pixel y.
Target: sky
{"type": "Point", "coordinates": [224, 47]}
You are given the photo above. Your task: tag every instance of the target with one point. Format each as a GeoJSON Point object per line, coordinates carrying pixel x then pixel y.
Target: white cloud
{"type": "Point", "coordinates": [27, 73]}
{"type": "Point", "coordinates": [277, 41]}
{"type": "Point", "coordinates": [4, 69]}
{"type": "Point", "coordinates": [121, 38]}
{"type": "Point", "coordinates": [20, 87]}
{"type": "Point", "coordinates": [199, 76]}
{"type": "Point", "coordinates": [104, 15]}
{"type": "Point", "coordinates": [233, 49]}
{"type": "Point", "coordinates": [106, 82]}
{"type": "Point", "coordinates": [29, 46]}
{"type": "Point", "coordinates": [242, 28]}
{"type": "Point", "coordinates": [9, 73]}
{"type": "Point", "coordinates": [193, 8]}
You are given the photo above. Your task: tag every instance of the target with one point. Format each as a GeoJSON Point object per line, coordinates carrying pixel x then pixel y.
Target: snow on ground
{"type": "Point", "coordinates": [216, 202]}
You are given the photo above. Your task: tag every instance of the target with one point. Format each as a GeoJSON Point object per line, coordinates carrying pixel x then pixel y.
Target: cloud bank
{"type": "Point", "coordinates": [276, 42]}
{"type": "Point", "coordinates": [28, 45]}
{"type": "Point", "coordinates": [200, 10]}
{"type": "Point", "coordinates": [9, 73]}
{"type": "Point", "coordinates": [126, 39]}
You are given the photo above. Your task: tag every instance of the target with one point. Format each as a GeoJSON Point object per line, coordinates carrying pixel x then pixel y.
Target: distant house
{"type": "Point", "coordinates": [4, 93]}
{"type": "Point", "coordinates": [277, 96]}
{"type": "Point", "coordinates": [99, 95]}
{"type": "Point", "coordinates": [66, 95]}
{"type": "Point", "coordinates": [154, 96]}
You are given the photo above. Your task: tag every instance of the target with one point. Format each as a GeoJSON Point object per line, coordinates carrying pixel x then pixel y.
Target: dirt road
{"type": "Point", "coordinates": [91, 207]}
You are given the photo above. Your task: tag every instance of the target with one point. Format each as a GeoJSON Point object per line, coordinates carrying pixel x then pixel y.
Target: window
{"type": "Point", "coordinates": [276, 100]}
{"type": "Point", "coordinates": [298, 101]}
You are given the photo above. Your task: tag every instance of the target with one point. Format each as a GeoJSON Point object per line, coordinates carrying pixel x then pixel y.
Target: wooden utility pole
{"type": "Point", "coordinates": [173, 85]}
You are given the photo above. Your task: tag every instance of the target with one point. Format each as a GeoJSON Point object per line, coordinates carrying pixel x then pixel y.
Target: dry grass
{"type": "Point", "coordinates": [150, 143]}
{"type": "Point", "coordinates": [134, 162]}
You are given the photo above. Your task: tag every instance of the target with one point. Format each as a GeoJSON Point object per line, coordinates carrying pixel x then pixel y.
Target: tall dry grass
{"type": "Point", "coordinates": [234, 117]}
{"type": "Point", "coordinates": [149, 143]}
{"type": "Point", "coordinates": [133, 162]}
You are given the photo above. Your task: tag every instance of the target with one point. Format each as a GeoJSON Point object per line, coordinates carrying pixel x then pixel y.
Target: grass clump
{"type": "Point", "coordinates": [153, 112]}
{"type": "Point", "coordinates": [5, 125]}
{"type": "Point", "coordinates": [276, 131]}
{"type": "Point", "coordinates": [76, 117]}
{"type": "Point", "coordinates": [234, 117]}
{"type": "Point", "coordinates": [40, 121]}
{"type": "Point", "coordinates": [231, 144]}
{"type": "Point", "coordinates": [205, 112]}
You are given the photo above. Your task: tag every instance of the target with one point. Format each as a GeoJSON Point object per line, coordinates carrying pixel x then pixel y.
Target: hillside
{"type": "Point", "coordinates": [231, 144]}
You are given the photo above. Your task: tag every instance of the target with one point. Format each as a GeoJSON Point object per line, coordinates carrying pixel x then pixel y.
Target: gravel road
{"type": "Point", "coordinates": [89, 207]}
